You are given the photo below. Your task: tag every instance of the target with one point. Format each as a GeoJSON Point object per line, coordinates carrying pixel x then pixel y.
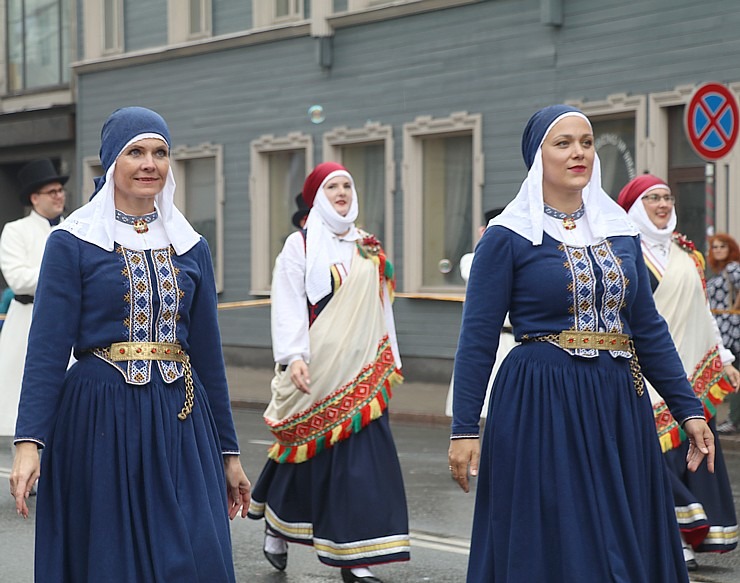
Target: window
{"type": "Point", "coordinates": [442, 199]}
{"type": "Point", "coordinates": [190, 24]}
{"type": "Point", "coordinates": [39, 43]}
{"type": "Point", "coordinates": [368, 154]}
{"type": "Point", "coordinates": [279, 168]}
{"type": "Point", "coordinates": [200, 196]}
{"type": "Point", "coordinates": [112, 26]}
{"type": "Point", "coordinates": [269, 12]}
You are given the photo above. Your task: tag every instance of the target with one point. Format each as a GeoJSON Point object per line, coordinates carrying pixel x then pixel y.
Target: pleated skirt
{"type": "Point", "coordinates": [348, 501]}
{"type": "Point", "coordinates": [128, 493]}
{"type": "Point", "coordinates": [705, 508]}
{"type": "Point", "coordinates": [572, 485]}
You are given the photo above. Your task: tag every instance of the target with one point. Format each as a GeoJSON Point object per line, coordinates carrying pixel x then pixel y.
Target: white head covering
{"type": "Point", "coordinates": [650, 233]}
{"type": "Point", "coordinates": [525, 214]}
{"type": "Point", "coordinates": [322, 247]}
{"type": "Point", "coordinates": [95, 221]}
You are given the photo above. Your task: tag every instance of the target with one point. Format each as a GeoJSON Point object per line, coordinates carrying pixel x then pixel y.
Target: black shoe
{"type": "Point", "coordinates": [692, 565]}
{"type": "Point", "coordinates": [277, 560]}
{"type": "Point", "coordinates": [349, 577]}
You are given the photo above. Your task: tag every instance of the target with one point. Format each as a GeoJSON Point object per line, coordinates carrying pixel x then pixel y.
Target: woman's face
{"type": "Point", "coordinates": [659, 206]}
{"type": "Point", "coordinates": [720, 250]}
{"type": "Point", "coordinates": [567, 157]}
{"type": "Point", "coordinates": [141, 170]}
{"type": "Point", "coordinates": [338, 192]}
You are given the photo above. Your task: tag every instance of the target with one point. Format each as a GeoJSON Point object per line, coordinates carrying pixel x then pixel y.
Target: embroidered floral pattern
{"type": "Point", "coordinates": [615, 289]}
{"type": "Point", "coordinates": [169, 301]}
{"type": "Point", "coordinates": [683, 242]}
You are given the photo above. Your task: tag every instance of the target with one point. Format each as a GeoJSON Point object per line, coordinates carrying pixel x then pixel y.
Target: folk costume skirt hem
{"type": "Point", "coordinates": [572, 486]}
{"type": "Point", "coordinates": [128, 493]}
{"type": "Point", "coordinates": [347, 501]}
{"type": "Point", "coordinates": [705, 508]}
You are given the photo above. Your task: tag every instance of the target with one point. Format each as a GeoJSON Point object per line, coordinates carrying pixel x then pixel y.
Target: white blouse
{"type": "Point", "coordinates": [289, 317]}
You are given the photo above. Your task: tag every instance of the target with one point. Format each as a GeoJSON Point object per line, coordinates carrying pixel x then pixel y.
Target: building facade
{"type": "Point", "coordinates": [423, 100]}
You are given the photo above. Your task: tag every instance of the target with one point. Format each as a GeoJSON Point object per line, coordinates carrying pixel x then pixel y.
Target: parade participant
{"type": "Point", "coordinates": [571, 484]}
{"type": "Point", "coordinates": [333, 479]}
{"type": "Point", "coordinates": [704, 505]}
{"type": "Point", "coordinates": [21, 249]}
{"type": "Point", "coordinates": [141, 469]}
{"type": "Point", "coordinates": [299, 216]}
{"type": "Point", "coordinates": [723, 291]}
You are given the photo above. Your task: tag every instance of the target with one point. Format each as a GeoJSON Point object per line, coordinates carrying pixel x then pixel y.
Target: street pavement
{"type": "Point", "coordinates": [440, 513]}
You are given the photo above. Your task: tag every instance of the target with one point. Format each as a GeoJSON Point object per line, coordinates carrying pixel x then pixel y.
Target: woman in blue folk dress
{"type": "Point", "coordinates": [141, 469]}
{"type": "Point", "coordinates": [571, 483]}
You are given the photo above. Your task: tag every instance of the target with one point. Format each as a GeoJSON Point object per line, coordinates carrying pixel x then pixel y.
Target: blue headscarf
{"type": "Point", "coordinates": [525, 214]}
{"type": "Point", "coordinates": [536, 128]}
{"type": "Point", "coordinates": [95, 222]}
{"type": "Point", "coordinates": [120, 128]}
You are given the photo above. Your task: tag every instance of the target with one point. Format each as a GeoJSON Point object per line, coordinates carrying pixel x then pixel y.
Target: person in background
{"type": "Point", "coordinates": [141, 471]}
{"type": "Point", "coordinates": [571, 483]}
{"type": "Point", "coordinates": [21, 250]}
{"type": "Point", "coordinates": [704, 505]}
{"type": "Point", "coordinates": [299, 217]}
{"type": "Point", "coordinates": [5, 300]}
{"type": "Point", "coordinates": [506, 340]}
{"type": "Point", "coordinates": [723, 291]}
{"type": "Point", "coordinates": [333, 479]}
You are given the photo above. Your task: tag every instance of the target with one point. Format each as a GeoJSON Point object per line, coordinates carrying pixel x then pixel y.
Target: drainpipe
{"type": "Point", "coordinates": [321, 10]}
{"type": "Point", "coordinates": [551, 12]}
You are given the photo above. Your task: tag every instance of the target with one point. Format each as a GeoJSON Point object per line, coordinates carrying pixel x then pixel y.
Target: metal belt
{"type": "Point", "coordinates": [119, 351]}
{"type": "Point", "coordinates": [573, 339]}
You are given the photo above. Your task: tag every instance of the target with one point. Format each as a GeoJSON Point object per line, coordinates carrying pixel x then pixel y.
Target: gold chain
{"type": "Point", "coordinates": [189, 389]}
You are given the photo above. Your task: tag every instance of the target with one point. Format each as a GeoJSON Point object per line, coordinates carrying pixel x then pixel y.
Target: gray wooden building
{"type": "Point", "coordinates": [424, 101]}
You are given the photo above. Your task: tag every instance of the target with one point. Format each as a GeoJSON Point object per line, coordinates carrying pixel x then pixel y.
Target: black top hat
{"type": "Point", "coordinates": [35, 175]}
{"type": "Point", "coordinates": [301, 212]}
{"type": "Point", "coordinates": [490, 214]}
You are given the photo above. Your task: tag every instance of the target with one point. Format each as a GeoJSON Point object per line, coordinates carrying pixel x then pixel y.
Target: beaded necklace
{"type": "Point", "coordinates": [139, 223]}
{"type": "Point", "coordinates": [569, 219]}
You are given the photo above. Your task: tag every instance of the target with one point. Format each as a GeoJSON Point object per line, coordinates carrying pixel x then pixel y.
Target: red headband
{"type": "Point", "coordinates": [636, 188]}
{"type": "Point", "coordinates": [318, 175]}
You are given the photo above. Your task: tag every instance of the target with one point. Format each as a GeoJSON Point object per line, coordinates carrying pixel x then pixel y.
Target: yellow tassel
{"type": "Point", "coordinates": [375, 411]}
{"type": "Point", "coordinates": [272, 453]}
{"type": "Point", "coordinates": [335, 434]}
{"type": "Point", "coordinates": [666, 442]}
{"type": "Point", "coordinates": [300, 454]}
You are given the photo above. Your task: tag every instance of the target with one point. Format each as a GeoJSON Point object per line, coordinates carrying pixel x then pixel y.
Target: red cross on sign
{"type": "Point", "coordinates": [711, 121]}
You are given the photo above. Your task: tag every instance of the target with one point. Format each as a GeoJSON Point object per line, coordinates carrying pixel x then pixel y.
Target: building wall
{"type": "Point", "coordinates": [495, 57]}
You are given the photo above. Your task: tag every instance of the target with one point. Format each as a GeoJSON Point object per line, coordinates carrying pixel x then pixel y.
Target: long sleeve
{"type": "Point", "coordinates": [206, 354]}
{"type": "Point", "coordinates": [486, 303]}
{"type": "Point", "coordinates": [19, 256]}
{"type": "Point", "coordinates": [289, 313]}
{"type": "Point", "coordinates": [658, 357]}
{"type": "Point", "coordinates": [55, 326]}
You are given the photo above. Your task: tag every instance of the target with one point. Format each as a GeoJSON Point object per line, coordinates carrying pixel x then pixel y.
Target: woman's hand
{"type": "Point", "coordinates": [299, 376]}
{"type": "Point", "coordinates": [464, 453]}
{"type": "Point", "coordinates": [701, 444]}
{"type": "Point", "coordinates": [238, 487]}
{"type": "Point", "coordinates": [734, 375]}
{"type": "Point", "coordinates": [25, 472]}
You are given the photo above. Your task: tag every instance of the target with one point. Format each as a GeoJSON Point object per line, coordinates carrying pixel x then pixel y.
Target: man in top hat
{"type": "Point", "coordinates": [21, 249]}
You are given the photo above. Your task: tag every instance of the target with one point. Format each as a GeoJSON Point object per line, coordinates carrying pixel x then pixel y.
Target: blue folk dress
{"type": "Point", "coordinates": [128, 493]}
{"type": "Point", "coordinates": [572, 486]}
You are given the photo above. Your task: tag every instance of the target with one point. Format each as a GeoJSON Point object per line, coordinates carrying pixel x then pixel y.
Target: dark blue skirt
{"type": "Point", "coordinates": [348, 501]}
{"type": "Point", "coordinates": [572, 485]}
{"type": "Point", "coordinates": [129, 493]}
{"type": "Point", "coordinates": [705, 508]}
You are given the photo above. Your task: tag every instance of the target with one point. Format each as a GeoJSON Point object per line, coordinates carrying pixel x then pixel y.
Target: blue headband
{"type": "Point", "coordinates": [537, 125]}
{"type": "Point", "coordinates": [120, 128]}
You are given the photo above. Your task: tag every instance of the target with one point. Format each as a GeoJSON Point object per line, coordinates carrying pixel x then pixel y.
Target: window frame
{"type": "Point", "coordinates": [371, 133]}
{"type": "Point", "coordinates": [184, 153]}
{"type": "Point", "coordinates": [179, 24]}
{"type": "Point", "coordinates": [456, 124]}
{"type": "Point", "coordinates": [93, 14]}
{"type": "Point", "coordinates": [259, 192]}
{"type": "Point", "coordinates": [263, 14]}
